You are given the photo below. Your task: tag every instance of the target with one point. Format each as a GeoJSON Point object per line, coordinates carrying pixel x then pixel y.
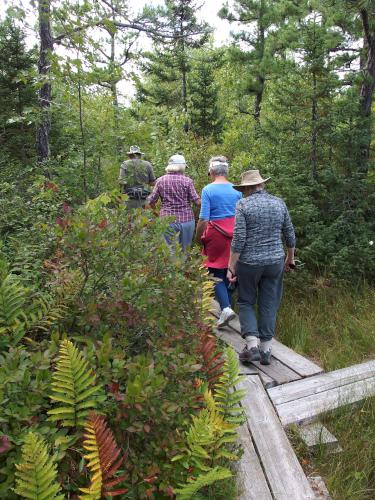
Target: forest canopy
{"type": "Point", "coordinates": [290, 93]}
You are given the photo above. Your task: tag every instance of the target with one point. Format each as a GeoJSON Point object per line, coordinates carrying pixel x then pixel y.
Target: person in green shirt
{"type": "Point", "coordinates": [136, 177]}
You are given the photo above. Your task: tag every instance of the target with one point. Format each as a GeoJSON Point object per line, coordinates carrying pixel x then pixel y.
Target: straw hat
{"type": "Point", "coordinates": [250, 178]}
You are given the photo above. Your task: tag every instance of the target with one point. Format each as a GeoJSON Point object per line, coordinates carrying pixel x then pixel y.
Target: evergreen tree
{"type": "Point", "coordinates": [263, 22]}
{"type": "Point", "coordinates": [204, 113]}
{"type": "Point", "coordinates": [169, 65]}
{"type": "Point", "coordinates": [17, 93]}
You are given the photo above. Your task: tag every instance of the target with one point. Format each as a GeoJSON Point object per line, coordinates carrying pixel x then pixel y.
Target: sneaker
{"type": "Point", "coordinates": [226, 315]}
{"type": "Point", "coordinates": [249, 355]}
{"type": "Point", "coordinates": [265, 357]}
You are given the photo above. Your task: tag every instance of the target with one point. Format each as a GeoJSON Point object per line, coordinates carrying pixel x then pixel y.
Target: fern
{"type": "Point", "coordinates": [226, 396]}
{"type": "Point", "coordinates": [36, 474]}
{"type": "Point", "coordinates": [207, 438]}
{"type": "Point", "coordinates": [43, 313]}
{"type": "Point", "coordinates": [193, 485]}
{"type": "Point", "coordinates": [212, 358]}
{"type": "Point", "coordinates": [12, 301]}
{"type": "Point", "coordinates": [73, 387]}
{"type": "Point", "coordinates": [20, 314]}
{"type": "Point", "coordinates": [104, 460]}
{"type": "Point", "coordinates": [206, 302]}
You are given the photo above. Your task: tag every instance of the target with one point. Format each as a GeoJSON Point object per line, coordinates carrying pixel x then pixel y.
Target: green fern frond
{"type": "Point", "coordinates": [44, 313]}
{"type": "Point", "coordinates": [206, 302]}
{"type": "Point", "coordinates": [12, 301]}
{"type": "Point", "coordinates": [36, 474]}
{"type": "Point", "coordinates": [192, 486]}
{"type": "Point", "coordinates": [226, 396]}
{"type": "Point", "coordinates": [73, 388]}
{"type": "Point", "coordinates": [207, 437]}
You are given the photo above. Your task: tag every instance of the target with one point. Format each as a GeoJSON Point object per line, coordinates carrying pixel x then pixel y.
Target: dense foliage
{"type": "Point", "coordinates": [105, 345]}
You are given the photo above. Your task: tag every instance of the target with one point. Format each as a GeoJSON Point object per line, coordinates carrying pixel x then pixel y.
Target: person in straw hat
{"type": "Point", "coordinates": [136, 176]}
{"type": "Point", "coordinates": [257, 262]}
{"type": "Point", "coordinates": [177, 193]}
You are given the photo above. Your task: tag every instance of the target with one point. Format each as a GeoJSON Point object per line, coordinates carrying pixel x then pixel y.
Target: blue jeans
{"type": "Point", "coordinates": [222, 294]}
{"type": "Point", "coordinates": [261, 285]}
{"type": "Point", "coordinates": [185, 232]}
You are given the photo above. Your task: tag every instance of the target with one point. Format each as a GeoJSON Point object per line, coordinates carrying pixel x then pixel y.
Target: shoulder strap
{"type": "Point", "coordinates": [220, 230]}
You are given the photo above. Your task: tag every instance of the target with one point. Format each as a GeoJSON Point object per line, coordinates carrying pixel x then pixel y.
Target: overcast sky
{"type": "Point", "coordinates": [208, 13]}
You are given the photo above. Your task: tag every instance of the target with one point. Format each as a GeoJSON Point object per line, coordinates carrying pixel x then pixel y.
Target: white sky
{"type": "Point", "coordinates": [208, 13]}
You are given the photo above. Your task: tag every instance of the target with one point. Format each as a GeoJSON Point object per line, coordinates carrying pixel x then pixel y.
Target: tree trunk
{"type": "Point", "coordinates": [314, 131]}
{"type": "Point", "coordinates": [46, 47]}
{"type": "Point", "coordinates": [260, 78]}
{"type": "Point", "coordinates": [83, 138]}
{"type": "Point", "coordinates": [366, 93]}
{"type": "Point", "coordinates": [184, 99]}
{"type": "Point", "coordinates": [258, 98]}
{"type": "Point", "coordinates": [113, 84]}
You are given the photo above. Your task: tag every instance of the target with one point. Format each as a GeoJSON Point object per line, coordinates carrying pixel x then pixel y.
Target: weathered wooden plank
{"type": "Point", "coordinates": [251, 482]}
{"type": "Point", "coordinates": [308, 408]}
{"type": "Point", "coordinates": [315, 434]}
{"type": "Point", "coordinates": [276, 371]}
{"type": "Point", "coordinates": [294, 361]}
{"type": "Point", "coordinates": [322, 383]}
{"type": "Point", "coordinates": [281, 467]}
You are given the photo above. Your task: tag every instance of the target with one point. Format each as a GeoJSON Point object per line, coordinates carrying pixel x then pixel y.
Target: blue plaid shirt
{"type": "Point", "coordinates": [261, 220]}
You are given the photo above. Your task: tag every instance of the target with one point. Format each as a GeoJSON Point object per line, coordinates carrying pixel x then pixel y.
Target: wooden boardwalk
{"type": "Point", "coordinates": [292, 390]}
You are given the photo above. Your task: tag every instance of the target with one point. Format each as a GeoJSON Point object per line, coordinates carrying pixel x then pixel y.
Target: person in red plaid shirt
{"type": "Point", "coordinates": [177, 193]}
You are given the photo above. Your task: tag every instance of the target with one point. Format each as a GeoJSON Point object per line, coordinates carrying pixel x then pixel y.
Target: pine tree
{"type": "Point", "coordinates": [205, 116]}
{"type": "Point", "coordinates": [169, 65]}
{"type": "Point", "coordinates": [17, 93]}
{"type": "Point", "coordinates": [263, 22]}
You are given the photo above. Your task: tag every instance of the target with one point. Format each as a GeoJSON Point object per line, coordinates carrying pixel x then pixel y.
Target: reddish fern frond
{"type": "Point", "coordinates": [212, 358]}
{"type": "Point", "coordinates": [104, 458]}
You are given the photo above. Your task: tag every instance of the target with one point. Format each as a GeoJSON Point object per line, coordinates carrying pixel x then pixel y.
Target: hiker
{"type": "Point", "coordinates": [257, 263]}
{"type": "Point", "coordinates": [136, 176]}
{"type": "Point", "coordinates": [176, 192]}
{"type": "Point", "coordinates": [215, 230]}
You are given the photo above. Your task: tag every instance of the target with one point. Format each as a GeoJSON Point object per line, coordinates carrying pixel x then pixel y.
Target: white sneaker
{"type": "Point", "coordinates": [226, 315]}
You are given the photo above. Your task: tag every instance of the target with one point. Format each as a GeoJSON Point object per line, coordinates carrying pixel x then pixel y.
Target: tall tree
{"type": "Point", "coordinates": [170, 63]}
{"type": "Point", "coordinates": [45, 91]}
{"type": "Point", "coordinates": [262, 21]}
{"type": "Point", "coordinates": [205, 117]}
{"type": "Point", "coordinates": [17, 93]}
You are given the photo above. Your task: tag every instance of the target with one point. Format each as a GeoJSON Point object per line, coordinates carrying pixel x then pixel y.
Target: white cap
{"type": "Point", "coordinates": [216, 163]}
{"type": "Point", "coordinates": [177, 160]}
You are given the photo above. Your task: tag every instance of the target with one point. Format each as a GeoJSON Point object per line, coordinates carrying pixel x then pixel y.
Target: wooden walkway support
{"type": "Point", "coordinates": [304, 400]}
{"type": "Point", "coordinates": [293, 389]}
{"type": "Point", "coordinates": [283, 472]}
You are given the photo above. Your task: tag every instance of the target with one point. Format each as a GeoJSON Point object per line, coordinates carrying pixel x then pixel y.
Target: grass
{"type": "Point", "coordinates": [335, 326]}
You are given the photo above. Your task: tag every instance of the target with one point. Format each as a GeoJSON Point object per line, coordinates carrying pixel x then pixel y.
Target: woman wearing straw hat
{"type": "Point", "coordinates": [257, 262]}
{"type": "Point", "coordinates": [177, 192]}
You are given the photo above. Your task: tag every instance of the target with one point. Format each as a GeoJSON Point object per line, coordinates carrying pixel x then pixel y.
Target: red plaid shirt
{"type": "Point", "coordinates": [176, 192]}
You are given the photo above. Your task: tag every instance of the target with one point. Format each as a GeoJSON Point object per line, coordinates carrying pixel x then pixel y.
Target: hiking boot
{"type": "Point", "coordinates": [265, 357]}
{"type": "Point", "coordinates": [226, 315]}
{"type": "Point", "coordinates": [249, 355]}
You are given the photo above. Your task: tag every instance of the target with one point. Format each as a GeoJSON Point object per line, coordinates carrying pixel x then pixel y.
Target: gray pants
{"type": "Point", "coordinates": [261, 285]}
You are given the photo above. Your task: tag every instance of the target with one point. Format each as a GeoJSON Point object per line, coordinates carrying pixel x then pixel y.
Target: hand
{"type": "Point", "coordinates": [232, 278]}
{"type": "Point", "coordinates": [289, 264]}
